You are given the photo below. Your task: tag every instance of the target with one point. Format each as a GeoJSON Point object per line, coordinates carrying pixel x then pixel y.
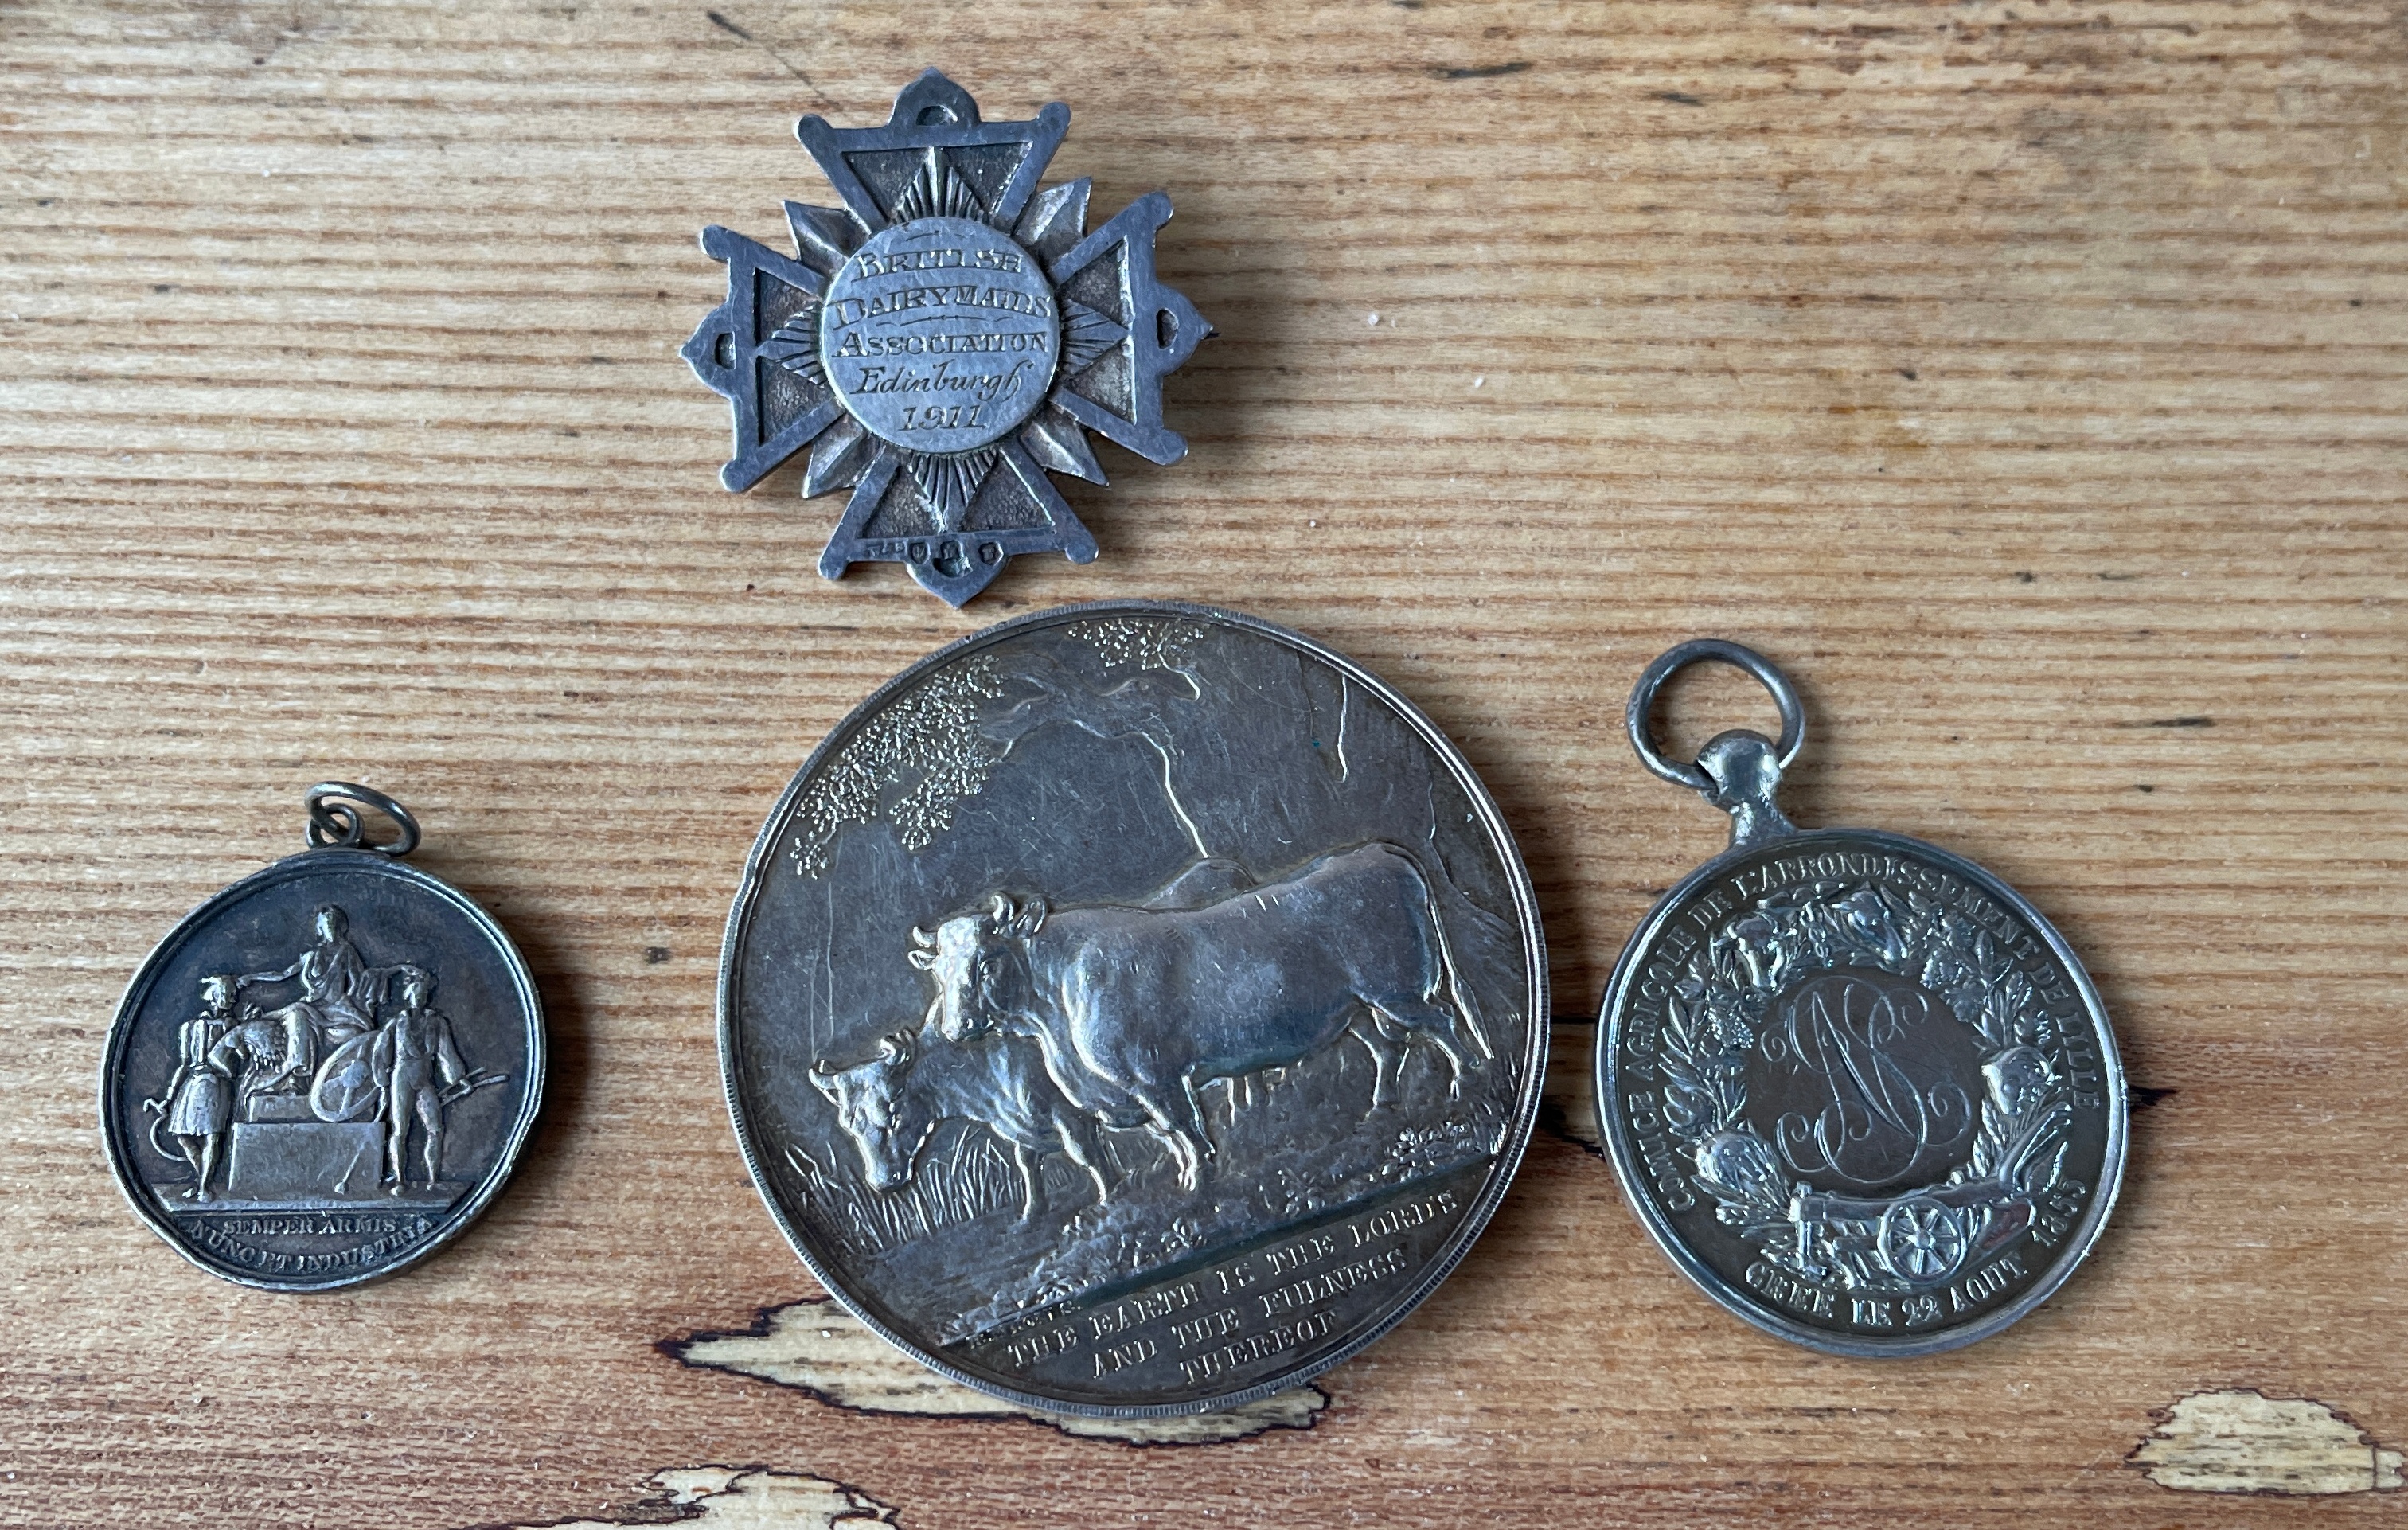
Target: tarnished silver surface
{"type": "Point", "coordinates": [326, 1071]}
{"type": "Point", "coordinates": [1859, 1089]}
{"type": "Point", "coordinates": [1133, 1008]}
{"type": "Point", "coordinates": [944, 340]}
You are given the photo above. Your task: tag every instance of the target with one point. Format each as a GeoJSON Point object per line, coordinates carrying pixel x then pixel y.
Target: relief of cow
{"type": "Point", "coordinates": [1214, 878]}
{"type": "Point", "coordinates": [1136, 1006]}
{"type": "Point", "coordinates": [892, 1104]}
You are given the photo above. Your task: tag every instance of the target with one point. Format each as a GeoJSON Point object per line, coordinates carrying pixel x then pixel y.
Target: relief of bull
{"type": "Point", "coordinates": [1134, 1007]}
{"type": "Point", "coordinates": [892, 1104]}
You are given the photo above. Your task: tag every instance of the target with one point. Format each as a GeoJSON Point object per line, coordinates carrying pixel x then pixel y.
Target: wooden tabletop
{"type": "Point", "coordinates": [2028, 379]}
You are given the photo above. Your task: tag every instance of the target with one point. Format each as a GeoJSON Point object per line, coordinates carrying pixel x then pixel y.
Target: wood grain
{"type": "Point", "coordinates": [2030, 378]}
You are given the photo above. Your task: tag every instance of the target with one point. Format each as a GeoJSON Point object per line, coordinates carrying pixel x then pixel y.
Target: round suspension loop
{"type": "Point", "coordinates": [1703, 650]}
{"type": "Point", "coordinates": [338, 820]}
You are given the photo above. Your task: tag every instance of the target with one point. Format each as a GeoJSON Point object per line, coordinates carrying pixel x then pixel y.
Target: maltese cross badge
{"type": "Point", "coordinates": [943, 342]}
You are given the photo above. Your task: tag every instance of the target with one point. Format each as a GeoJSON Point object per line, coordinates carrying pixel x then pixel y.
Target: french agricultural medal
{"type": "Point", "coordinates": [1855, 1086]}
{"type": "Point", "coordinates": [943, 342]}
{"type": "Point", "coordinates": [326, 1070]}
{"type": "Point", "coordinates": [1133, 1008]}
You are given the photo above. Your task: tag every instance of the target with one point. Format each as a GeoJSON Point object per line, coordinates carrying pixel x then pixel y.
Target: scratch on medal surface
{"type": "Point", "coordinates": [740, 1498]}
{"type": "Point", "coordinates": [815, 1346]}
{"type": "Point", "coordinates": [1345, 698]}
{"type": "Point", "coordinates": [2241, 1440]}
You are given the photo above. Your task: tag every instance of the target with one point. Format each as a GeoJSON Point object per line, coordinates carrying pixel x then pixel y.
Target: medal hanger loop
{"type": "Point", "coordinates": [1739, 771]}
{"type": "Point", "coordinates": [335, 822]}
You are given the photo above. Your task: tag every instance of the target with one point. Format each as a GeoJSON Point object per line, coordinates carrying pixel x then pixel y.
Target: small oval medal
{"type": "Point", "coordinates": [326, 1071]}
{"type": "Point", "coordinates": [1859, 1089]}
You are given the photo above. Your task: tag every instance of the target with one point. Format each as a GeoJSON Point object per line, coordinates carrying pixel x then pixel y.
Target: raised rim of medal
{"type": "Point", "coordinates": [1503, 1168]}
{"type": "Point", "coordinates": [138, 1192]}
{"type": "Point", "coordinates": [1629, 1173]}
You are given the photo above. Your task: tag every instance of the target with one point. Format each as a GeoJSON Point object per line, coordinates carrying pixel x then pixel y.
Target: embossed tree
{"type": "Point", "coordinates": [1142, 675]}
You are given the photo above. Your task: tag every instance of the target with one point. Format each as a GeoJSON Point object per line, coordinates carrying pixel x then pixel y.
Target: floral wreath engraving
{"type": "Point", "coordinates": [1720, 1013]}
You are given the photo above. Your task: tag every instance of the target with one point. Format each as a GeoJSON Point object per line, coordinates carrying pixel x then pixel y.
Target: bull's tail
{"type": "Point", "coordinates": [1450, 976]}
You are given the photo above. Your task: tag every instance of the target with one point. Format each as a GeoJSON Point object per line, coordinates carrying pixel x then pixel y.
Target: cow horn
{"type": "Point", "coordinates": [922, 939]}
{"type": "Point", "coordinates": [1002, 908]}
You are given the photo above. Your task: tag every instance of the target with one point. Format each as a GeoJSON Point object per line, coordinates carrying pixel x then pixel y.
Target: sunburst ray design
{"type": "Point", "coordinates": [1086, 335]}
{"type": "Point", "coordinates": [949, 483]}
{"type": "Point", "coordinates": [937, 192]}
{"type": "Point", "coordinates": [1113, 333]}
{"type": "Point", "coordinates": [795, 344]}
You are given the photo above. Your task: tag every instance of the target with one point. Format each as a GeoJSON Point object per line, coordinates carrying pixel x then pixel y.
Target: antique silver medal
{"type": "Point", "coordinates": [1859, 1089]}
{"type": "Point", "coordinates": [945, 341]}
{"type": "Point", "coordinates": [325, 1071]}
{"type": "Point", "coordinates": [1133, 1008]}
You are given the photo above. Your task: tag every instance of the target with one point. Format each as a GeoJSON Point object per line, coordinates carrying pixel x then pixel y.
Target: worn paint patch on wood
{"type": "Point", "coordinates": [2244, 1441]}
{"type": "Point", "coordinates": [742, 1498]}
{"type": "Point", "coordinates": [816, 1346]}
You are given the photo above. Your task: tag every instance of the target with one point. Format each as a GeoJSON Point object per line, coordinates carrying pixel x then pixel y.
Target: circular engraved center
{"type": "Point", "coordinates": [1864, 1081]}
{"type": "Point", "coordinates": [940, 336]}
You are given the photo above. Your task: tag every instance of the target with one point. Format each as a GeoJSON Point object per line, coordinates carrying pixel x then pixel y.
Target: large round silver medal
{"type": "Point", "coordinates": [326, 1071]}
{"type": "Point", "coordinates": [1133, 1008]}
{"type": "Point", "coordinates": [1857, 1088]}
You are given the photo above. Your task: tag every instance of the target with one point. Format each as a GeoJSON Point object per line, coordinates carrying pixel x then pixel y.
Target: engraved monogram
{"type": "Point", "coordinates": [1855, 1086]}
{"type": "Point", "coordinates": [1815, 1054]}
{"type": "Point", "coordinates": [1867, 1059]}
